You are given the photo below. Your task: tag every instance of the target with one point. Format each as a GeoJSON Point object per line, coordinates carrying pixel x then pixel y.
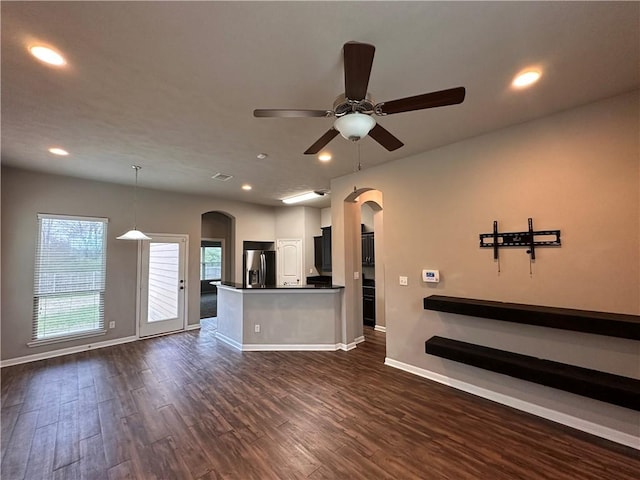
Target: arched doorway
{"type": "Point", "coordinates": [364, 253]}
{"type": "Point", "coordinates": [217, 239]}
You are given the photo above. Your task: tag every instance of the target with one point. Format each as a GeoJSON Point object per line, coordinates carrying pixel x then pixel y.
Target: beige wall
{"type": "Point", "coordinates": [303, 223]}
{"type": "Point", "coordinates": [577, 171]}
{"type": "Point", "coordinates": [25, 194]}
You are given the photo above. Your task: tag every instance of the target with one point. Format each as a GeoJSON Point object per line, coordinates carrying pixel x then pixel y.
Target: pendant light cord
{"type": "Point", "coordinates": [135, 197]}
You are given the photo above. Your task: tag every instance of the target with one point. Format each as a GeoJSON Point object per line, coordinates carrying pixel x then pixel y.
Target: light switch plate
{"type": "Point", "coordinates": [356, 275]}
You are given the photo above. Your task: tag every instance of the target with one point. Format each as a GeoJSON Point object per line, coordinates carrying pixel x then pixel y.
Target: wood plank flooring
{"type": "Point", "coordinates": [188, 407]}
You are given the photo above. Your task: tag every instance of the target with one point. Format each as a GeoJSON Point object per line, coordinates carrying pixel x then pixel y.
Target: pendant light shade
{"type": "Point", "coordinates": [134, 234]}
{"type": "Point", "coordinates": [354, 126]}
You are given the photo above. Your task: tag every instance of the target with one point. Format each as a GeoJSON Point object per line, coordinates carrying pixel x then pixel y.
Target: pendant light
{"type": "Point", "coordinates": [134, 234]}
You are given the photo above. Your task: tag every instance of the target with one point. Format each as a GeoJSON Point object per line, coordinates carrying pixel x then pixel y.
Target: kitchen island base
{"type": "Point", "coordinates": [280, 318]}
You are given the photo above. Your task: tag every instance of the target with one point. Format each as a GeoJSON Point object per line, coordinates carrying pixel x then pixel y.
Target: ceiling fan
{"type": "Point", "coordinates": [354, 109]}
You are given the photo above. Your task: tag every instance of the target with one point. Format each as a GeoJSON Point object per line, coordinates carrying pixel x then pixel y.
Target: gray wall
{"type": "Point", "coordinates": [25, 194]}
{"type": "Point", "coordinates": [578, 171]}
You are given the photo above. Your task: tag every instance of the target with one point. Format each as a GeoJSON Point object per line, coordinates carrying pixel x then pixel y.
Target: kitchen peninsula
{"type": "Point", "coordinates": [294, 317]}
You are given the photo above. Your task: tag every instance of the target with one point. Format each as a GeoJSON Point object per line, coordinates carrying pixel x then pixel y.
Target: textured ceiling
{"type": "Point", "coordinates": [171, 86]}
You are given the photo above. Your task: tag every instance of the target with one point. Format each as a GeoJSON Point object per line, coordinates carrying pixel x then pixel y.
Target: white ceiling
{"type": "Point", "coordinates": [171, 86]}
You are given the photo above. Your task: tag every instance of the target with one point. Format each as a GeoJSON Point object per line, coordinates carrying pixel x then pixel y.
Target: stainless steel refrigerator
{"type": "Point", "coordinates": [259, 268]}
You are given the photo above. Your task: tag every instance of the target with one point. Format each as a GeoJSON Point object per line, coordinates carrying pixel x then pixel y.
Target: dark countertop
{"type": "Point", "coordinates": [239, 286]}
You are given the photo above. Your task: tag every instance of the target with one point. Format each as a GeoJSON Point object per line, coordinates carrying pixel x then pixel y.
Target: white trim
{"type": "Point", "coordinates": [228, 341]}
{"type": "Point", "coordinates": [257, 347]}
{"type": "Point", "coordinates": [380, 328]}
{"type": "Point", "coordinates": [519, 404]}
{"type": "Point", "coordinates": [347, 346]}
{"type": "Point", "coordinates": [66, 338]}
{"type": "Point", "coordinates": [73, 217]}
{"type": "Point", "coordinates": [65, 351]}
{"type": "Point", "coordinates": [195, 326]}
{"type": "Point", "coordinates": [359, 339]}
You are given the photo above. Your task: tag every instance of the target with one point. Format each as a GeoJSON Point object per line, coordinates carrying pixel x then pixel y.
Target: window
{"type": "Point", "coordinates": [68, 294]}
{"type": "Point", "coordinates": [211, 261]}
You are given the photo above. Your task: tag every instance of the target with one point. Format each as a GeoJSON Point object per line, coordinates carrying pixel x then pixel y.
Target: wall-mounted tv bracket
{"type": "Point", "coordinates": [530, 239]}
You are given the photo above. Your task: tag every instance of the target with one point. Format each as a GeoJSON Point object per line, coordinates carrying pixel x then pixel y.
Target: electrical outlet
{"type": "Point", "coordinates": [256, 328]}
{"type": "Point", "coordinates": [311, 270]}
{"type": "Point", "coordinates": [112, 324]}
{"type": "Point", "coordinates": [356, 275]}
{"type": "Point", "coordinates": [404, 281]}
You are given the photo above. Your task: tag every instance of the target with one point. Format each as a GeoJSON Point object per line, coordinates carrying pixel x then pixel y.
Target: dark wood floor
{"type": "Point", "coordinates": [187, 407]}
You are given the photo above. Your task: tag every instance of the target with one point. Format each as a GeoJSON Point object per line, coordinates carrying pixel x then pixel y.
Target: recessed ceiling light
{"type": "Point", "coordinates": [526, 79]}
{"type": "Point", "coordinates": [246, 187]}
{"type": "Point", "coordinates": [262, 156]}
{"type": "Point", "coordinates": [324, 157]}
{"type": "Point", "coordinates": [47, 55]}
{"type": "Point", "coordinates": [58, 151]}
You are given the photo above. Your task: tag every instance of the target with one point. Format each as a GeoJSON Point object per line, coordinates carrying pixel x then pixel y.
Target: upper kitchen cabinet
{"type": "Point", "coordinates": [326, 249]}
{"type": "Point", "coordinates": [368, 250]}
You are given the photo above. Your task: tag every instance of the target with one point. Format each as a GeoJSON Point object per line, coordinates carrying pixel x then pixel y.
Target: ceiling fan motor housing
{"type": "Point", "coordinates": [343, 105]}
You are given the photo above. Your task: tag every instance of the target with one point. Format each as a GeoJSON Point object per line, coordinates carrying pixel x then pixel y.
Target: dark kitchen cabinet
{"type": "Point", "coordinates": [317, 252]}
{"type": "Point", "coordinates": [369, 306]}
{"type": "Point", "coordinates": [368, 249]}
{"type": "Point", "coordinates": [322, 250]}
{"type": "Point", "coordinates": [326, 249]}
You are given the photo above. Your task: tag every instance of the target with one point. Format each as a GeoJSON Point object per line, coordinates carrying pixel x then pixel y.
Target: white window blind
{"type": "Point", "coordinates": [70, 268]}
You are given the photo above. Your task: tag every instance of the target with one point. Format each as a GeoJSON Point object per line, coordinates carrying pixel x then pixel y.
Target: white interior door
{"type": "Point", "coordinates": [162, 285]}
{"type": "Point", "coordinates": [289, 260]}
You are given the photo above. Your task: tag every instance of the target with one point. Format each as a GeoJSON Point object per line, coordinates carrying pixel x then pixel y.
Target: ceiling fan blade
{"type": "Point", "coordinates": [358, 59]}
{"type": "Point", "coordinates": [442, 98]}
{"type": "Point", "coordinates": [385, 138]}
{"type": "Point", "coordinates": [322, 142]}
{"type": "Point", "coordinates": [282, 113]}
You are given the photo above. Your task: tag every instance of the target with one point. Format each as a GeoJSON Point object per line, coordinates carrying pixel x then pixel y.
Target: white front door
{"type": "Point", "coordinates": [289, 260]}
{"type": "Point", "coordinates": [162, 284]}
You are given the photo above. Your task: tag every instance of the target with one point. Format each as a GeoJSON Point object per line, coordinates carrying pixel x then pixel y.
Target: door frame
{"type": "Point", "coordinates": [185, 303]}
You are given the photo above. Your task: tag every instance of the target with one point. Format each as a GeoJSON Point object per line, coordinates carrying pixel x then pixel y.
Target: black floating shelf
{"type": "Point", "coordinates": [606, 387]}
{"type": "Point", "coordinates": [600, 323]}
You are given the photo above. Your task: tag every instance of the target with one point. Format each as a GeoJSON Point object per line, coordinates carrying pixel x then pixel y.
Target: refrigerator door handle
{"type": "Point", "coordinates": [263, 269]}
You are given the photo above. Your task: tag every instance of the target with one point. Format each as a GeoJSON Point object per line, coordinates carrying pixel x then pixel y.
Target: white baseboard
{"type": "Point", "coordinates": [66, 351]}
{"type": "Point", "coordinates": [346, 346]}
{"type": "Point", "coordinates": [256, 347]}
{"type": "Point", "coordinates": [359, 339]}
{"type": "Point", "coordinates": [228, 341]}
{"type": "Point", "coordinates": [518, 404]}
{"type": "Point", "coordinates": [193, 326]}
{"type": "Point", "coordinates": [380, 328]}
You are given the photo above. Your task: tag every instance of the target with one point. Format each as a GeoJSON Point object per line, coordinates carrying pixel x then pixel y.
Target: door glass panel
{"type": "Point", "coordinates": [163, 281]}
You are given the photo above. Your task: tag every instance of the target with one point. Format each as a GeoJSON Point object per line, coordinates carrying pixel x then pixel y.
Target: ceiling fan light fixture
{"type": "Point", "coordinates": [354, 126]}
{"type": "Point", "coordinates": [302, 197]}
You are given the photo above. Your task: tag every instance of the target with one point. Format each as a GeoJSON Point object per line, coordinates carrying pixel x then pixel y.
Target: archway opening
{"type": "Point", "coordinates": [364, 253]}
{"type": "Point", "coordinates": [217, 240]}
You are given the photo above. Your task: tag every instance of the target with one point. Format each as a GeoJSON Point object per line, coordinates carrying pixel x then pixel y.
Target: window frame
{"type": "Point", "coordinates": [202, 264]}
{"type": "Point", "coordinates": [37, 277]}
